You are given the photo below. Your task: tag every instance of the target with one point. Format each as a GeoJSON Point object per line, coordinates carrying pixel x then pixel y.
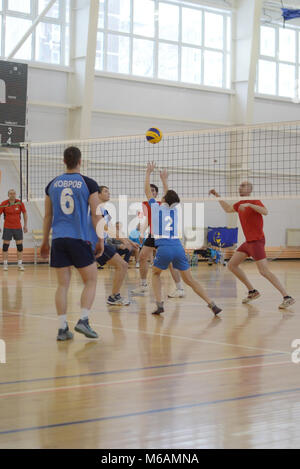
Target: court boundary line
{"type": "Point", "coordinates": [152, 411]}
{"type": "Point", "coordinates": [192, 339]}
{"type": "Point", "coordinates": [138, 380]}
{"type": "Point", "coordinates": [132, 370]}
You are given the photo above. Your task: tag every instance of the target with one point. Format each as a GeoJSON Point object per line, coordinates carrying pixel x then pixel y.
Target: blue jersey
{"type": "Point", "coordinates": [92, 235]}
{"type": "Point", "coordinates": [69, 194]}
{"type": "Point", "coordinates": [164, 223]}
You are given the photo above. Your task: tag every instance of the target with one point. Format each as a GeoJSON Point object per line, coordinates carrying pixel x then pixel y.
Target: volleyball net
{"type": "Point", "coordinates": [266, 155]}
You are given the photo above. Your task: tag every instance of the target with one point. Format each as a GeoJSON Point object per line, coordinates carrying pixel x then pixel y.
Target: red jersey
{"type": "Point", "coordinates": [147, 213]}
{"type": "Point", "coordinates": [12, 213]}
{"type": "Point", "coordinates": [251, 221]}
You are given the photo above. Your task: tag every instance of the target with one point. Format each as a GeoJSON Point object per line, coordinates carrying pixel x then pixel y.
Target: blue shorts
{"type": "Point", "coordinates": [108, 253]}
{"type": "Point", "coordinates": [69, 251]}
{"type": "Point", "coordinates": [167, 254]}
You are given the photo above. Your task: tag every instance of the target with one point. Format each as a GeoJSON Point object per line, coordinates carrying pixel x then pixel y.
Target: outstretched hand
{"type": "Point", "coordinates": [164, 174]}
{"type": "Point", "coordinates": [214, 192]}
{"type": "Point", "coordinates": [243, 206]}
{"type": "Point", "coordinates": [151, 167]}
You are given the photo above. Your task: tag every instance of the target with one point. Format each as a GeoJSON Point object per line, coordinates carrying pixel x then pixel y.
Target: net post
{"type": "Point", "coordinates": [21, 174]}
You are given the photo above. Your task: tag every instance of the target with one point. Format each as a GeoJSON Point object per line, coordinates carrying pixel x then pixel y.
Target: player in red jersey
{"type": "Point", "coordinates": [12, 209]}
{"type": "Point", "coordinates": [146, 252]}
{"type": "Point", "coordinates": [250, 214]}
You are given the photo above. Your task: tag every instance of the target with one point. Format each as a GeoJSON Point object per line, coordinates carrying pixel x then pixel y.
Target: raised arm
{"type": "Point", "coordinates": [225, 206]}
{"type": "Point", "coordinates": [150, 169]}
{"type": "Point", "coordinates": [164, 178]}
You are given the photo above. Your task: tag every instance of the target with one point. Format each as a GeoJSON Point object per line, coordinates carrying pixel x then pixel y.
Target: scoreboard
{"type": "Point", "coordinates": [13, 102]}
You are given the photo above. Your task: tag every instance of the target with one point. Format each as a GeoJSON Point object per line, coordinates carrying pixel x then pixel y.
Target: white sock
{"type": "Point", "coordinates": [84, 313]}
{"type": "Point", "coordinates": [62, 321]}
{"type": "Point", "coordinates": [143, 282]}
{"type": "Point", "coordinates": [179, 286]}
{"type": "Point", "coordinates": [19, 262]}
{"type": "Point", "coordinates": [5, 262]}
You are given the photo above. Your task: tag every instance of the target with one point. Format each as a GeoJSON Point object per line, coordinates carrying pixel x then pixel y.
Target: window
{"type": "Point", "coordinates": [279, 61]}
{"type": "Point", "coordinates": [49, 41]}
{"type": "Point", "coordinates": [172, 40]}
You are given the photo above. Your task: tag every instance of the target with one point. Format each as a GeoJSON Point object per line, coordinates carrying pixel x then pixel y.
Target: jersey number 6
{"type": "Point", "coordinates": [66, 197]}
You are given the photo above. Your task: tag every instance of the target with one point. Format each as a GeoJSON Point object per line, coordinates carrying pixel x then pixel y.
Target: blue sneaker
{"type": "Point", "coordinates": [83, 327]}
{"type": "Point", "coordinates": [64, 334]}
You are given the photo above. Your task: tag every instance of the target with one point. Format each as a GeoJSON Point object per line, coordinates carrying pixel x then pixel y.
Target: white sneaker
{"type": "Point", "coordinates": [20, 267]}
{"type": "Point", "coordinates": [140, 290]}
{"type": "Point", "coordinates": [137, 265]}
{"type": "Point", "coordinates": [5, 267]}
{"type": "Point", "coordinates": [289, 301]}
{"type": "Point", "coordinates": [117, 300]}
{"type": "Point", "coordinates": [177, 293]}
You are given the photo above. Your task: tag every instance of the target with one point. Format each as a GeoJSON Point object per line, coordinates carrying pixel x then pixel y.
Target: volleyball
{"type": "Point", "coordinates": [154, 135]}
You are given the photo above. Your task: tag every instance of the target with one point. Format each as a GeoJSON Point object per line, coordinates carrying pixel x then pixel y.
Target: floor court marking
{"type": "Point", "coordinates": [139, 380]}
{"type": "Point", "coordinates": [157, 334]}
{"type": "Point", "coordinates": [145, 368]}
{"type": "Point", "coordinates": [153, 411]}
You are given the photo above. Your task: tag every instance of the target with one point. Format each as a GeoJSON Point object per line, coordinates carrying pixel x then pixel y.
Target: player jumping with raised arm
{"type": "Point", "coordinates": [250, 214]}
{"type": "Point", "coordinates": [148, 249]}
{"type": "Point", "coordinates": [169, 248]}
{"type": "Point", "coordinates": [68, 198]}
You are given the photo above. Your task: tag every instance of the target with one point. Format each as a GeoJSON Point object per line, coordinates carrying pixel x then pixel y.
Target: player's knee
{"type": "Point", "coordinates": [123, 266]}
{"type": "Point", "coordinates": [156, 273]}
{"type": "Point", "coordinates": [143, 257]}
{"type": "Point", "coordinates": [230, 266]}
{"type": "Point", "coordinates": [20, 247]}
{"type": "Point", "coordinates": [264, 271]}
{"type": "Point", "coordinates": [5, 247]}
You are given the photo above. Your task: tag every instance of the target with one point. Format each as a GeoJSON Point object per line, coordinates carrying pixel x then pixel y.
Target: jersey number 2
{"type": "Point", "coordinates": [169, 222]}
{"type": "Point", "coordinates": [66, 196]}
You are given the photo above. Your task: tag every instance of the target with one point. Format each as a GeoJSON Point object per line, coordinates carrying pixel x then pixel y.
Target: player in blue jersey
{"type": "Point", "coordinates": [68, 198]}
{"type": "Point", "coordinates": [169, 247]}
{"type": "Point", "coordinates": [110, 255]}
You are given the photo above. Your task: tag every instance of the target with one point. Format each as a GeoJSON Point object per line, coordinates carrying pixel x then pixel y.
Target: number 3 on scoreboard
{"type": "Point", "coordinates": [66, 197]}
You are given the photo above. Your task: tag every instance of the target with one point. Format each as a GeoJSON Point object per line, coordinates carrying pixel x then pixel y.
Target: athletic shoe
{"type": "Point", "coordinates": [251, 296]}
{"type": "Point", "coordinates": [117, 300]}
{"type": "Point", "coordinates": [140, 290]}
{"type": "Point", "coordinates": [64, 334]}
{"type": "Point", "coordinates": [137, 265]}
{"type": "Point", "coordinates": [20, 267]}
{"type": "Point", "coordinates": [178, 293]}
{"type": "Point", "coordinates": [288, 301]}
{"type": "Point", "coordinates": [83, 327]}
{"type": "Point", "coordinates": [215, 309]}
{"type": "Point", "coordinates": [159, 310]}
{"type": "Point", "coordinates": [5, 267]}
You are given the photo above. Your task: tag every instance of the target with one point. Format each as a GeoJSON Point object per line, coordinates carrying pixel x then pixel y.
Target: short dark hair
{"type": "Point", "coordinates": [101, 188]}
{"type": "Point", "coordinates": [72, 156]}
{"type": "Point", "coordinates": [154, 187]}
{"type": "Point", "coordinates": [171, 197]}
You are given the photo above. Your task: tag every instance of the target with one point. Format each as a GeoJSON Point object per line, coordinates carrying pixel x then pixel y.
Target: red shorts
{"type": "Point", "coordinates": [255, 249]}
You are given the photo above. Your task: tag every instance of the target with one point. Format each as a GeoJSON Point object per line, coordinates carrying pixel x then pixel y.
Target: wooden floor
{"type": "Point", "coordinates": [184, 380]}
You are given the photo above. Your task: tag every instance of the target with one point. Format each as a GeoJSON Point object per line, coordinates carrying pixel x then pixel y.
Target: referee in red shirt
{"type": "Point", "coordinates": [12, 209]}
{"type": "Point", "coordinates": [250, 214]}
